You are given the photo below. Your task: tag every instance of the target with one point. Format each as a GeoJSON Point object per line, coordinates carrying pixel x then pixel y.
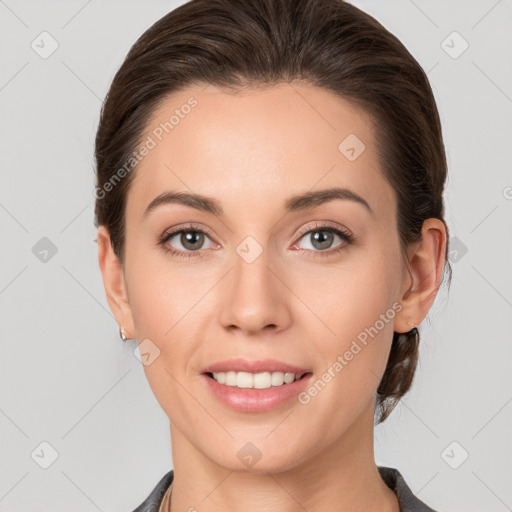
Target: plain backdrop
{"type": "Point", "coordinates": [74, 398]}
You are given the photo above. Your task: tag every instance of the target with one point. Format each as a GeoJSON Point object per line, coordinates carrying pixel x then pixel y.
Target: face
{"type": "Point", "coordinates": [262, 275]}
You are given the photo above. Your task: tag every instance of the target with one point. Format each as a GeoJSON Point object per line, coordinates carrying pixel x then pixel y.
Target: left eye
{"type": "Point", "coordinates": [322, 238]}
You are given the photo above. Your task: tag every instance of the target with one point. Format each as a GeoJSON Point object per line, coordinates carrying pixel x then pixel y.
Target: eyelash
{"type": "Point", "coordinates": [345, 235]}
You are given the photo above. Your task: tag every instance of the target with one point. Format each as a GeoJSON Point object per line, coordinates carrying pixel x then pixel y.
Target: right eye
{"type": "Point", "coordinates": [190, 238]}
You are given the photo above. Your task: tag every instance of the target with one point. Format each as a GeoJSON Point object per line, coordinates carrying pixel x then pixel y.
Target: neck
{"type": "Point", "coordinates": [343, 477]}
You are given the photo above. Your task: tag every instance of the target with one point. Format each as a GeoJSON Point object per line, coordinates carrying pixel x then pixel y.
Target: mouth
{"type": "Point", "coordinates": [261, 380]}
{"type": "Point", "coordinates": [255, 386]}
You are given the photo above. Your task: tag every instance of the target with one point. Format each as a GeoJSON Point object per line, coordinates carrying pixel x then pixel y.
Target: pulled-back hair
{"type": "Point", "coordinates": [237, 44]}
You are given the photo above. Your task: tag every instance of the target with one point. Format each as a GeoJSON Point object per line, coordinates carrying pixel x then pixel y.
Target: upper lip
{"type": "Point", "coordinates": [255, 366]}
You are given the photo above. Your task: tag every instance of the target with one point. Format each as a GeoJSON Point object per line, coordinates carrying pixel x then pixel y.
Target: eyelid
{"type": "Point", "coordinates": [317, 225]}
{"type": "Point", "coordinates": [186, 227]}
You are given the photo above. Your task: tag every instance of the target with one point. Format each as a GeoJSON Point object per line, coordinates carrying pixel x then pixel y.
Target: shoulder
{"type": "Point", "coordinates": [152, 502]}
{"type": "Point", "coordinates": [407, 500]}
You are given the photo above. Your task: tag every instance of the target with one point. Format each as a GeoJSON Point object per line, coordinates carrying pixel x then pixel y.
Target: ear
{"type": "Point", "coordinates": [426, 264]}
{"type": "Point", "coordinates": [114, 282]}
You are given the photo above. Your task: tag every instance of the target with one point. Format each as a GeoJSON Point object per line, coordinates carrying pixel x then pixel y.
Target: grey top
{"type": "Point", "coordinates": [391, 476]}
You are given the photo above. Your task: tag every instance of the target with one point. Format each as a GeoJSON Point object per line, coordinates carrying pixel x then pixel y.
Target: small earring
{"type": "Point", "coordinates": [412, 332]}
{"type": "Point", "coordinates": [122, 334]}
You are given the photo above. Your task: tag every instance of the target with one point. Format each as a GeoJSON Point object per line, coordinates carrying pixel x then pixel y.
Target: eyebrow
{"type": "Point", "coordinates": [300, 202]}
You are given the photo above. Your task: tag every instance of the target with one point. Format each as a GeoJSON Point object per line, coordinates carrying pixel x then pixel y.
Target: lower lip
{"type": "Point", "coordinates": [256, 400]}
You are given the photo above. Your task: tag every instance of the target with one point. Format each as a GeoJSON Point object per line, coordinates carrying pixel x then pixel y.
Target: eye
{"type": "Point", "coordinates": [321, 237]}
{"type": "Point", "coordinates": [190, 238]}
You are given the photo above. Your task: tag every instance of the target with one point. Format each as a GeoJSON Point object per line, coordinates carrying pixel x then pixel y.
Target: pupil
{"type": "Point", "coordinates": [324, 238]}
{"type": "Point", "coordinates": [189, 238]}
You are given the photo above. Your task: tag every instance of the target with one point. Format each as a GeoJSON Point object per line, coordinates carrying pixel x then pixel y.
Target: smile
{"type": "Point", "coordinates": [247, 380]}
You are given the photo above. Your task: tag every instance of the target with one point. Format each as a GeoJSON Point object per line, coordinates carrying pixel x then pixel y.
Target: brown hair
{"type": "Point", "coordinates": [331, 44]}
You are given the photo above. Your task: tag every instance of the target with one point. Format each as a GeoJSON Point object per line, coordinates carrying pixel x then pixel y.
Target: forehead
{"type": "Point", "coordinates": [257, 147]}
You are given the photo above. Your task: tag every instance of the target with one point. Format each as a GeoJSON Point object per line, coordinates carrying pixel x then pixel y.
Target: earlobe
{"type": "Point", "coordinates": [114, 281]}
{"type": "Point", "coordinates": [426, 265]}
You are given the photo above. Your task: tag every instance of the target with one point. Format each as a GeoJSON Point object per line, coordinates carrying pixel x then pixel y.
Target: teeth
{"type": "Point", "coordinates": [262, 380]}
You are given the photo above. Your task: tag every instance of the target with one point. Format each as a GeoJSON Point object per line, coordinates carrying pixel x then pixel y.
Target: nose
{"type": "Point", "coordinates": [254, 296]}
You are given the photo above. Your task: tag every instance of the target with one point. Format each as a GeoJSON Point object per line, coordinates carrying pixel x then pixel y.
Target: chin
{"type": "Point", "coordinates": [257, 457]}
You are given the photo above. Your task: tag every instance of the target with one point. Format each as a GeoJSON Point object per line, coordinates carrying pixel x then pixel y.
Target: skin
{"type": "Point", "coordinates": [251, 151]}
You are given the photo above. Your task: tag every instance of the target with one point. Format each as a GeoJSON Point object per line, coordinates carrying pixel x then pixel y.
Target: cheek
{"type": "Point", "coordinates": [357, 308]}
{"type": "Point", "coordinates": [352, 296]}
{"type": "Point", "coordinates": [164, 307]}
{"type": "Point", "coordinates": [163, 296]}
{"type": "Point", "coordinates": [164, 313]}
{"type": "Point", "coordinates": [353, 352]}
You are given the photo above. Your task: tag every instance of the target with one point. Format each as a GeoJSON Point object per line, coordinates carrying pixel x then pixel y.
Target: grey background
{"type": "Point", "coordinates": [68, 380]}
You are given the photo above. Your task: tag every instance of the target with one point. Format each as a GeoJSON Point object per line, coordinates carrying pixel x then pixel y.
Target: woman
{"type": "Point", "coordinates": [271, 231]}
